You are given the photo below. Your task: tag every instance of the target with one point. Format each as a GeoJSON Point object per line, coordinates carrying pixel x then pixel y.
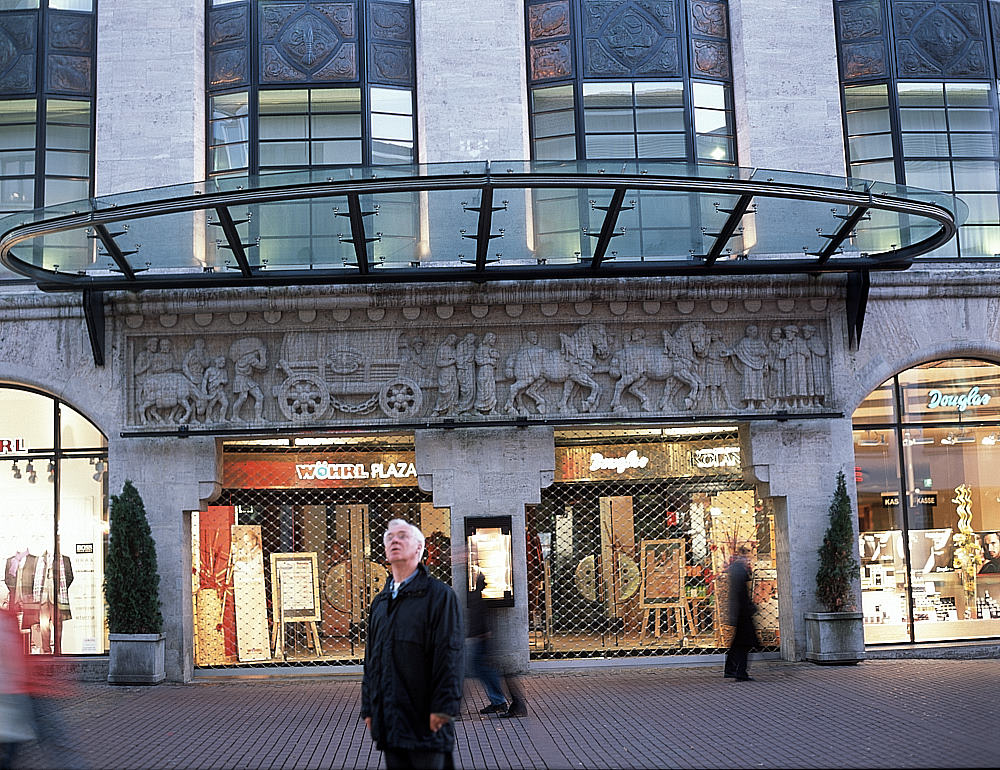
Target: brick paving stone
{"type": "Point", "coordinates": [882, 713]}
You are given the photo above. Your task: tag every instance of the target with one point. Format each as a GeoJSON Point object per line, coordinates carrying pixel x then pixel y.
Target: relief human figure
{"type": "Point", "coordinates": [195, 361]}
{"type": "Point", "coordinates": [214, 380]}
{"type": "Point", "coordinates": [750, 358]}
{"type": "Point", "coordinates": [413, 366]}
{"type": "Point", "coordinates": [487, 359]}
{"type": "Point", "coordinates": [447, 377]}
{"type": "Point", "coordinates": [145, 357]}
{"type": "Point", "coordinates": [249, 355]}
{"type": "Point", "coordinates": [629, 365]}
{"type": "Point", "coordinates": [774, 372]}
{"type": "Point", "coordinates": [794, 353]}
{"type": "Point", "coordinates": [163, 359]}
{"type": "Point", "coordinates": [715, 372]}
{"type": "Point", "coordinates": [465, 371]}
{"type": "Point", "coordinates": [819, 387]}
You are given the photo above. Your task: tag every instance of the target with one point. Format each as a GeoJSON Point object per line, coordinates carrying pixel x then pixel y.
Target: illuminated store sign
{"type": "Point", "coordinates": [891, 499]}
{"type": "Point", "coordinates": [973, 397]}
{"type": "Point", "coordinates": [324, 469]}
{"type": "Point", "coordinates": [599, 462]}
{"type": "Point", "coordinates": [312, 469]}
{"type": "Point", "coordinates": [13, 445]}
{"type": "Point", "coordinates": [717, 457]}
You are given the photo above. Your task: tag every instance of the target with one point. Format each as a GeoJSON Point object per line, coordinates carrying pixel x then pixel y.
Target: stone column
{"type": "Point", "coordinates": [796, 463]}
{"type": "Point", "coordinates": [490, 472]}
{"type": "Point", "coordinates": [174, 476]}
{"type": "Point", "coordinates": [786, 85]}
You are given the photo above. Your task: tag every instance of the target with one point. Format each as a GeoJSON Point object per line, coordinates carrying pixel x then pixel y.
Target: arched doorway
{"type": "Point", "coordinates": [53, 523]}
{"type": "Point", "coordinates": [928, 480]}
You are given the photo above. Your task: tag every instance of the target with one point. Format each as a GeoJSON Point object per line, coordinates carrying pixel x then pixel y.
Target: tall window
{"type": "Point", "coordinates": [920, 104]}
{"type": "Point", "coordinates": [307, 84]}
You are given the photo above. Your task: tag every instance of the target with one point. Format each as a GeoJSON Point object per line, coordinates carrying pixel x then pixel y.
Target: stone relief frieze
{"type": "Point", "coordinates": [326, 372]}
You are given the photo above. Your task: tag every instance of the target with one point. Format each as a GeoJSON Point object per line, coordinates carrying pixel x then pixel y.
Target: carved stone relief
{"type": "Point", "coordinates": [391, 63]}
{"type": "Point", "coordinates": [602, 364]}
{"type": "Point", "coordinates": [227, 67]}
{"type": "Point", "coordinates": [632, 37]}
{"type": "Point", "coordinates": [17, 56]}
{"type": "Point", "coordinates": [391, 21]}
{"type": "Point", "coordinates": [227, 25]}
{"type": "Point", "coordinates": [709, 18]}
{"type": "Point", "coordinates": [70, 33]}
{"type": "Point", "coordinates": [546, 20]}
{"type": "Point", "coordinates": [711, 58]}
{"type": "Point", "coordinates": [939, 38]}
{"type": "Point", "coordinates": [69, 73]}
{"type": "Point", "coordinates": [308, 41]}
{"type": "Point", "coordinates": [551, 60]}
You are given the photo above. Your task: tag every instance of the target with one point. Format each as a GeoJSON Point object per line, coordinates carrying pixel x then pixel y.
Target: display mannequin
{"type": "Point", "coordinates": [37, 596]}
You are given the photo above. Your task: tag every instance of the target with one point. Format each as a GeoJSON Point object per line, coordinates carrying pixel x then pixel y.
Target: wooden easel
{"type": "Point", "coordinates": [663, 578]}
{"type": "Point", "coordinates": [300, 614]}
{"type": "Point", "coordinates": [278, 630]}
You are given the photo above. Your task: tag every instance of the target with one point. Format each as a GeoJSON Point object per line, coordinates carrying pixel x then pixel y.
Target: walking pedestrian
{"type": "Point", "coordinates": [17, 721]}
{"type": "Point", "coordinates": [741, 611]}
{"type": "Point", "coordinates": [484, 659]}
{"type": "Point", "coordinates": [412, 685]}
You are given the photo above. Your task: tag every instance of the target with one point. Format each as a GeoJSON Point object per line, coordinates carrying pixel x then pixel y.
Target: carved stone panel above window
{"type": "Point", "coordinates": [630, 38]}
{"type": "Point", "coordinates": [70, 33]}
{"type": "Point", "coordinates": [940, 39]}
{"type": "Point", "coordinates": [17, 52]}
{"type": "Point", "coordinates": [861, 33]}
{"type": "Point", "coordinates": [550, 52]}
{"type": "Point", "coordinates": [228, 35]}
{"type": "Point", "coordinates": [551, 60]}
{"type": "Point", "coordinates": [390, 47]}
{"type": "Point", "coordinates": [308, 42]}
{"type": "Point", "coordinates": [69, 74]}
{"type": "Point", "coordinates": [548, 20]}
{"type": "Point", "coordinates": [709, 29]}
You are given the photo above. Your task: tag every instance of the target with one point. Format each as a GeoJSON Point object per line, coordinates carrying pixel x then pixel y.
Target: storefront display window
{"type": "Point", "coordinates": [54, 482]}
{"type": "Point", "coordinates": [287, 564]}
{"type": "Point", "coordinates": [628, 549]}
{"type": "Point", "coordinates": [929, 505]}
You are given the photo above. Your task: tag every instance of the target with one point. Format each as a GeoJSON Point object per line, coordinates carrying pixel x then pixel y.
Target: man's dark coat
{"type": "Point", "coordinates": [413, 665]}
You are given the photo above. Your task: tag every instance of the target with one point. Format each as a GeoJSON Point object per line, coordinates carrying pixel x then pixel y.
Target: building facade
{"type": "Point", "coordinates": [598, 445]}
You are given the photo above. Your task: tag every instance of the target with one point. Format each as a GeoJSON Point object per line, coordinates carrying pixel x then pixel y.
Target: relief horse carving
{"type": "Point", "coordinates": [169, 395]}
{"type": "Point", "coordinates": [532, 367]}
{"type": "Point", "coordinates": [636, 364]}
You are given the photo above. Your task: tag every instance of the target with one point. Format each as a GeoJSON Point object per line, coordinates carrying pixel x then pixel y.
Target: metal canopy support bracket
{"type": "Point", "coordinates": [858, 283]}
{"type": "Point", "coordinates": [850, 221]}
{"type": "Point", "coordinates": [358, 237]}
{"type": "Point", "coordinates": [107, 239]}
{"type": "Point", "coordinates": [484, 229]}
{"type": "Point", "coordinates": [235, 243]}
{"type": "Point", "coordinates": [729, 228]}
{"type": "Point", "coordinates": [93, 314]}
{"type": "Point", "coordinates": [608, 227]}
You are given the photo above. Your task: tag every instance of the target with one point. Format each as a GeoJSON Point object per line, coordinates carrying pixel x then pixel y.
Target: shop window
{"type": "Point", "coordinates": [53, 528]}
{"type": "Point", "coordinates": [628, 549]}
{"type": "Point", "coordinates": [929, 504]}
{"type": "Point", "coordinates": [287, 565]}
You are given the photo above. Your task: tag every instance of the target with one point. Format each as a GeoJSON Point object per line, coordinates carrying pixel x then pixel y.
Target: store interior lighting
{"type": "Point", "coordinates": [909, 440]}
{"type": "Point", "coordinates": [872, 438]}
{"type": "Point", "coordinates": [990, 440]}
{"type": "Point", "coordinates": [30, 470]}
{"type": "Point", "coordinates": [958, 438]}
{"type": "Point", "coordinates": [98, 470]}
{"type": "Point", "coordinates": [15, 470]}
{"type": "Point", "coordinates": [52, 471]}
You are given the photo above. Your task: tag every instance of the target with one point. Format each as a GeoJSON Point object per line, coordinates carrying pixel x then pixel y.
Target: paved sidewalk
{"type": "Point", "coordinates": [898, 713]}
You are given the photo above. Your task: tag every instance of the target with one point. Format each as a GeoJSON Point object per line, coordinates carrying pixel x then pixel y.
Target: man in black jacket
{"type": "Point", "coordinates": [741, 610]}
{"type": "Point", "coordinates": [412, 686]}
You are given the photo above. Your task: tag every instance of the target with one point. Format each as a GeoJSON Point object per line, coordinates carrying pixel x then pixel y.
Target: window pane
{"type": "Point", "coordinates": [884, 171]}
{"type": "Point", "coordinates": [607, 95]}
{"type": "Point", "coordinates": [17, 163]}
{"type": "Point", "coordinates": [17, 111]}
{"type": "Point", "coordinates": [870, 147]}
{"type": "Point", "coordinates": [553, 98]}
{"type": "Point", "coordinates": [391, 152]}
{"type": "Point", "coordinates": [69, 5]}
{"type": "Point", "coordinates": [715, 148]}
{"type": "Point", "coordinates": [920, 94]}
{"type": "Point", "coordinates": [284, 154]}
{"type": "Point", "coordinates": [659, 94]}
{"type": "Point", "coordinates": [272, 102]}
{"type": "Point", "coordinates": [923, 120]}
{"type": "Point", "coordinates": [869, 122]}
{"type": "Point", "coordinates": [609, 120]}
{"type": "Point", "coordinates": [65, 111]}
{"type": "Point", "coordinates": [611, 146]}
{"type": "Point", "coordinates": [662, 146]}
{"type": "Point", "coordinates": [554, 123]}
{"type": "Point", "coordinates": [17, 194]}
{"type": "Point", "coordinates": [971, 120]}
{"type": "Point", "coordinates": [866, 97]}
{"type": "Point", "coordinates": [332, 126]}
{"type": "Point", "coordinates": [925, 145]}
{"type": "Point", "coordinates": [17, 137]}
{"type": "Point", "coordinates": [974, 145]}
{"type": "Point", "coordinates": [67, 137]}
{"type": "Point", "coordinates": [709, 95]}
{"type": "Point", "coordinates": [563, 148]}
{"type": "Point", "coordinates": [982, 208]}
{"type": "Point", "coordinates": [968, 94]}
{"type": "Point", "coordinates": [226, 131]}
{"type": "Point", "coordinates": [975, 175]}
{"type": "Point", "coordinates": [65, 190]}
{"type": "Point", "coordinates": [979, 240]}
{"type": "Point", "coordinates": [932, 174]}
{"type": "Point", "coordinates": [283, 127]}
{"type": "Point", "coordinates": [229, 157]}
{"type": "Point", "coordinates": [229, 105]}
{"type": "Point", "coordinates": [336, 100]}
{"type": "Point", "coordinates": [392, 126]}
{"type": "Point", "coordinates": [391, 100]}
{"type": "Point", "coordinates": [334, 152]}
{"type": "Point", "coordinates": [660, 120]}
{"type": "Point", "coordinates": [710, 121]}
{"type": "Point", "coordinates": [67, 163]}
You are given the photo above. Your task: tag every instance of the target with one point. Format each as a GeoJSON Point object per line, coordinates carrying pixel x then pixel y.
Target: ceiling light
{"type": "Point", "coordinates": [16, 471]}
{"type": "Point", "coordinates": [908, 440]}
{"type": "Point", "coordinates": [990, 440]}
{"type": "Point", "coordinates": [872, 439]}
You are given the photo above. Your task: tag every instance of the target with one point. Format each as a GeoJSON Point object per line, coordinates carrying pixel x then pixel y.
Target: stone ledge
{"type": "Point", "coordinates": [941, 651]}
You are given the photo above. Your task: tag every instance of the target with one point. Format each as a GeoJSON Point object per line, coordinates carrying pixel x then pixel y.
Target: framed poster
{"type": "Point", "coordinates": [247, 560]}
{"type": "Point", "coordinates": [295, 587]}
{"type": "Point", "coordinates": [663, 572]}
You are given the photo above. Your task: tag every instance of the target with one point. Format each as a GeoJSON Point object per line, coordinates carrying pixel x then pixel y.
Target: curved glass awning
{"type": "Point", "coordinates": [477, 222]}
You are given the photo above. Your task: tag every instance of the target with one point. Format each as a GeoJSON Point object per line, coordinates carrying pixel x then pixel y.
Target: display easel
{"type": "Point", "coordinates": [295, 598]}
{"type": "Point", "coordinates": [542, 637]}
{"type": "Point", "coordinates": [663, 587]}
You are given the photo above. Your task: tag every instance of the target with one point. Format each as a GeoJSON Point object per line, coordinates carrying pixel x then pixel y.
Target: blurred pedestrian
{"type": "Point", "coordinates": [412, 685]}
{"type": "Point", "coordinates": [17, 722]}
{"type": "Point", "coordinates": [741, 610]}
{"type": "Point", "coordinates": [480, 632]}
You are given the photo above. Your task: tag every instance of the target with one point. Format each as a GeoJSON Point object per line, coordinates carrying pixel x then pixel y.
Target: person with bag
{"type": "Point", "coordinates": [17, 720]}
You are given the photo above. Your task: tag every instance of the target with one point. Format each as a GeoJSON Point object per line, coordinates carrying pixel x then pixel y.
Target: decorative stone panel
{"type": "Point", "coordinates": [550, 48]}
{"type": "Point", "coordinates": [861, 34]}
{"type": "Point", "coordinates": [709, 31]}
{"type": "Point", "coordinates": [228, 36]}
{"type": "Point", "coordinates": [17, 52]}
{"type": "Point", "coordinates": [495, 363]}
{"type": "Point", "coordinates": [631, 37]}
{"type": "Point", "coordinates": [308, 42]}
{"type": "Point", "coordinates": [940, 39]}
{"type": "Point", "coordinates": [390, 43]}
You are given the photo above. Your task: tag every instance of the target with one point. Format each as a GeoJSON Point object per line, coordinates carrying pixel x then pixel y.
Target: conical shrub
{"type": "Point", "coordinates": [131, 579]}
{"type": "Point", "coordinates": [837, 566]}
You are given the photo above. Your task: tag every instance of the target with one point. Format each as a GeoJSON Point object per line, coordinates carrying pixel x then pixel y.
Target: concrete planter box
{"type": "Point", "coordinates": [835, 637]}
{"type": "Point", "coordinates": [136, 659]}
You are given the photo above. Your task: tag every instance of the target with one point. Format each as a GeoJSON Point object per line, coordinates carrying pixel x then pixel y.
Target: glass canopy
{"type": "Point", "coordinates": [477, 222]}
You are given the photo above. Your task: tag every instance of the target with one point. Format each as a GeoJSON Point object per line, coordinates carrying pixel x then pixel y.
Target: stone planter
{"type": "Point", "coordinates": [136, 659]}
{"type": "Point", "coordinates": [835, 637]}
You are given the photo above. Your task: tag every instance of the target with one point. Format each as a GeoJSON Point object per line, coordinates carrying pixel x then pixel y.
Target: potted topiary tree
{"type": "Point", "coordinates": [837, 635]}
{"type": "Point", "coordinates": [132, 592]}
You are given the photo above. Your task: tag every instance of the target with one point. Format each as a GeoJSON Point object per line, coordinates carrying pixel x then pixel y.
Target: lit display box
{"type": "Point", "coordinates": [489, 547]}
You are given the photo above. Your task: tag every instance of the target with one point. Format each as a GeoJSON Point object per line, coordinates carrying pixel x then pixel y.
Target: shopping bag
{"type": "Point", "coordinates": [17, 722]}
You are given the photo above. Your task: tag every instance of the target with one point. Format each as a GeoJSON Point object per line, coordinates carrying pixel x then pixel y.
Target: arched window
{"type": "Point", "coordinates": [928, 480]}
{"type": "Point", "coordinates": [53, 523]}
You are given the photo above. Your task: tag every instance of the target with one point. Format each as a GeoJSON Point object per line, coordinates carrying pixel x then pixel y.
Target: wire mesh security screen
{"type": "Point", "coordinates": [287, 563]}
{"type": "Point", "coordinates": [628, 549]}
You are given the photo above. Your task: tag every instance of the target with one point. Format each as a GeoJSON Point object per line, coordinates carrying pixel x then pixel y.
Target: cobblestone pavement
{"type": "Point", "coordinates": [880, 714]}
